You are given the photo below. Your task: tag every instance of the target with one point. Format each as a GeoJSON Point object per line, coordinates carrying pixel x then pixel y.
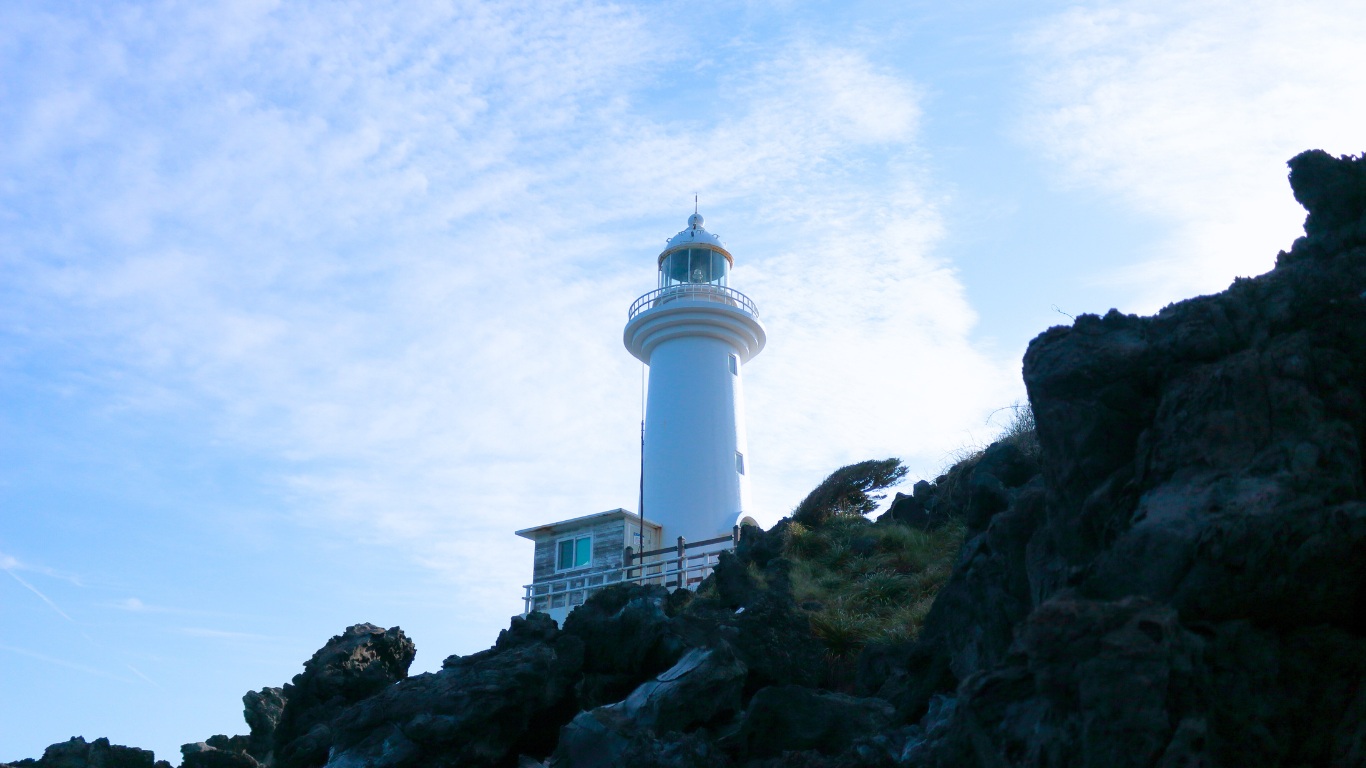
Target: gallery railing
{"type": "Point", "coordinates": [719, 294]}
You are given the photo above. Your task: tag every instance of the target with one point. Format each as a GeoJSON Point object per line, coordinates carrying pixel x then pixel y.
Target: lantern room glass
{"type": "Point", "coordinates": [694, 266]}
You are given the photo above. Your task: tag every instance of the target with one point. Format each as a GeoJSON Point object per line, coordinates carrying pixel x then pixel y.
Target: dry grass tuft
{"type": "Point", "coordinates": [863, 583]}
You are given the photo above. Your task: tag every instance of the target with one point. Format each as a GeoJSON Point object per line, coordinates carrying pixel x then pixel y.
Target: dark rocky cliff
{"type": "Point", "coordinates": [1175, 577]}
{"type": "Point", "coordinates": [1185, 584]}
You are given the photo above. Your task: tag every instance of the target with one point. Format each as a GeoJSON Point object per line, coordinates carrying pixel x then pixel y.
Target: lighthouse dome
{"type": "Point", "coordinates": [695, 234]}
{"type": "Point", "coordinates": [694, 256]}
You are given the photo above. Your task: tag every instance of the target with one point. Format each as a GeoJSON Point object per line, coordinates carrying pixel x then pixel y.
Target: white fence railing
{"type": "Point", "coordinates": [675, 571]}
{"type": "Point", "coordinates": [719, 294]}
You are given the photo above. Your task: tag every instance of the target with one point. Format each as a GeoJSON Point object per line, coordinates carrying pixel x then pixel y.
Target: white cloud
{"type": "Point", "coordinates": [1189, 111]}
{"type": "Point", "coordinates": [391, 251]}
{"type": "Point", "coordinates": [132, 604]}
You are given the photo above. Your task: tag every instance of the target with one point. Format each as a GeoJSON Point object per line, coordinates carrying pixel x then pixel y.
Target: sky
{"type": "Point", "coordinates": [306, 307]}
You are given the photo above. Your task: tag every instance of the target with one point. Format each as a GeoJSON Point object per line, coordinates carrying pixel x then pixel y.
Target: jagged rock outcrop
{"type": "Point", "coordinates": [912, 509]}
{"type": "Point", "coordinates": [973, 490]}
{"type": "Point", "coordinates": [646, 670]}
{"type": "Point", "coordinates": [216, 752]}
{"type": "Point", "coordinates": [999, 495]}
{"type": "Point", "coordinates": [1192, 564]}
{"type": "Point", "coordinates": [360, 662]}
{"type": "Point", "coordinates": [262, 710]}
{"type": "Point", "coordinates": [761, 623]}
{"type": "Point", "coordinates": [793, 718]}
{"type": "Point", "coordinates": [628, 637]}
{"type": "Point", "coordinates": [703, 687]}
{"type": "Point", "coordinates": [482, 709]}
{"type": "Point", "coordinates": [77, 753]}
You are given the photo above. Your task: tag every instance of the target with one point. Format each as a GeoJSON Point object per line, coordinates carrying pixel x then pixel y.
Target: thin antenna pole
{"type": "Point", "coordinates": [694, 203]}
{"type": "Point", "coordinates": [640, 505]}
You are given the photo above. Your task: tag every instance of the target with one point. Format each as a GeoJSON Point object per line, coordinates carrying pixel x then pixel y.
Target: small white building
{"type": "Point", "coordinates": [574, 557]}
{"type": "Point", "coordinates": [696, 334]}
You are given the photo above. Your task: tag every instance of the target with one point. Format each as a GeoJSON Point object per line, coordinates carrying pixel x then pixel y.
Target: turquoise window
{"type": "Point", "coordinates": [574, 553]}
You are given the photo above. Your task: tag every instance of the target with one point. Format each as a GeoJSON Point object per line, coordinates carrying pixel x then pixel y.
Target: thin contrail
{"type": "Point", "coordinates": [35, 591]}
{"type": "Point", "coordinates": [64, 663]}
{"type": "Point", "coordinates": [6, 566]}
{"type": "Point", "coordinates": [138, 672]}
{"type": "Point", "coordinates": [48, 600]}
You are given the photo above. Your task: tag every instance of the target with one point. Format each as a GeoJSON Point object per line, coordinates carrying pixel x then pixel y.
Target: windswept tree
{"type": "Point", "coordinates": [849, 491]}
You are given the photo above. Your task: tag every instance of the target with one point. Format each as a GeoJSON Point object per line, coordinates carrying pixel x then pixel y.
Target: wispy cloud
{"type": "Point", "coordinates": [11, 563]}
{"type": "Point", "coordinates": [394, 254]}
{"type": "Point", "coordinates": [138, 606]}
{"type": "Point", "coordinates": [1189, 111]}
{"type": "Point", "coordinates": [135, 605]}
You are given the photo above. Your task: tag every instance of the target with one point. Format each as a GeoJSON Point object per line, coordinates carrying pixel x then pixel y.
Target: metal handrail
{"type": "Point", "coordinates": [680, 569]}
{"type": "Point", "coordinates": [719, 294]}
{"type": "Point", "coordinates": [683, 545]}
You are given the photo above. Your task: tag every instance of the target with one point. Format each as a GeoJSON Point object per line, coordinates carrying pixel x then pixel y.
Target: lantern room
{"type": "Point", "coordinates": [694, 257]}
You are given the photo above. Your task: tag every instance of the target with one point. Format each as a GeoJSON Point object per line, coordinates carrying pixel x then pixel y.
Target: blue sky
{"type": "Point", "coordinates": [304, 308]}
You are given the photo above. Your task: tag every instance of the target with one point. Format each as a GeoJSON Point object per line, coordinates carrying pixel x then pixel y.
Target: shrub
{"type": "Point", "coordinates": [849, 492]}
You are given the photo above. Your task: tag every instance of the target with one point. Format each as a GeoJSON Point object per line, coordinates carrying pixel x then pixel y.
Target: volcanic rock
{"type": "Point", "coordinates": [262, 710]}
{"type": "Point", "coordinates": [791, 718]}
{"type": "Point", "coordinates": [703, 687]}
{"type": "Point", "coordinates": [479, 710]}
{"type": "Point", "coordinates": [1198, 533]}
{"type": "Point", "coordinates": [223, 754]}
{"type": "Point", "coordinates": [77, 753]}
{"type": "Point", "coordinates": [352, 666]}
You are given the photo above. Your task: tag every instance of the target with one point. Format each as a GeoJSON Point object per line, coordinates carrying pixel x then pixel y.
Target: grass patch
{"type": "Point", "coordinates": [844, 631]}
{"type": "Point", "coordinates": [862, 582]}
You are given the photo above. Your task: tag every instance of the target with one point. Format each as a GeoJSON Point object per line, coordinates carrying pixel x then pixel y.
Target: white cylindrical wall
{"type": "Point", "coordinates": [695, 414]}
{"type": "Point", "coordinates": [694, 427]}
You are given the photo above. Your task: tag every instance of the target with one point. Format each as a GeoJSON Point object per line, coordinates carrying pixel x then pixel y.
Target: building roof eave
{"type": "Point", "coordinates": [575, 522]}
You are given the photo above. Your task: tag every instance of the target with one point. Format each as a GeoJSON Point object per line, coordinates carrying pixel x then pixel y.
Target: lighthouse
{"type": "Point", "coordinates": [696, 333]}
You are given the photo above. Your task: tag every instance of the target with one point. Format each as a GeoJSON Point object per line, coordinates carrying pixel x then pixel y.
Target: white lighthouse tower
{"type": "Point", "coordinates": [695, 333]}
